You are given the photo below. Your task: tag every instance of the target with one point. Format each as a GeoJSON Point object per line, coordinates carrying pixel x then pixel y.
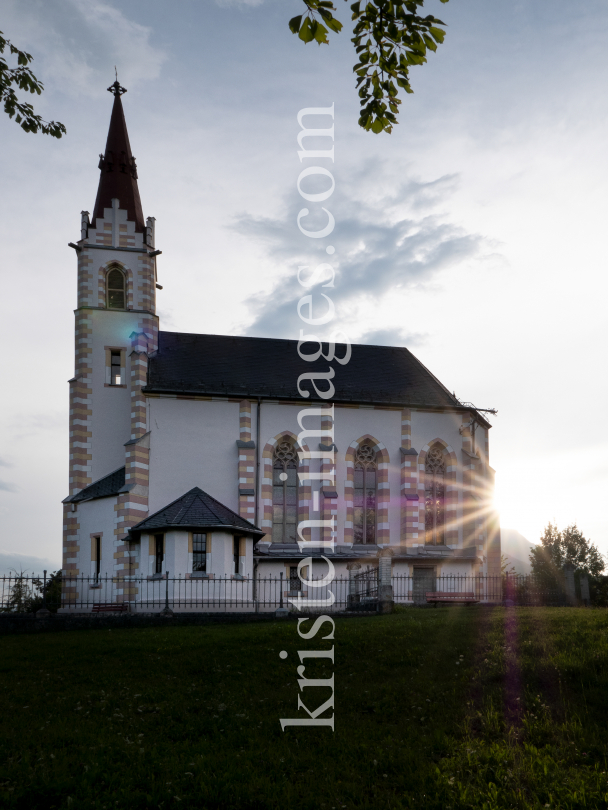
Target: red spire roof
{"type": "Point", "coordinates": [118, 170]}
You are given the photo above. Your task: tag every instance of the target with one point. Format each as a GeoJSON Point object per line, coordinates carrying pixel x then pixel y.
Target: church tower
{"type": "Point", "coordinates": [116, 328]}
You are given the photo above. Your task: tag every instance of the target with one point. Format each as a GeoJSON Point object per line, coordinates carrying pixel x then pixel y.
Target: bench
{"type": "Point", "coordinates": [110, 607]}
{"type": "Point", "coordinates": [449, 597]}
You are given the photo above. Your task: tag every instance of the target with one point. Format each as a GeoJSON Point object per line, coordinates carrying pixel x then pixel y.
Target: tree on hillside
{"type": "Point", "coordinates": [389, 37]}
{"type": "Point", "coordinates": [504, 565]}
{"type": "Point", "coordinates": [20, 595]}
{"type": "Point", "coordinates": [22, 78]}
{"type": "Point", "coordinates": [561, 547]}
{"type": "Point", "coordinates": [27, 595]}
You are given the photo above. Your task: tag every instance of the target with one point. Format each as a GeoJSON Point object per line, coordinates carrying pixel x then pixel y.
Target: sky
{"type": "Point", "coordinates": [473, 235]}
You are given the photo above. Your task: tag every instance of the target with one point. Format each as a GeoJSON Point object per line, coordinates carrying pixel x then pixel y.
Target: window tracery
{"type": "Point", "coordinates": [284, 492]}
{"type": "Point", "coordinates": [365, 481]}
{"type": "Point", "coordinates": [434, 496]}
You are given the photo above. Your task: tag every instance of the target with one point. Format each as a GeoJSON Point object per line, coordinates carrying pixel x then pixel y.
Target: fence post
{"type": "Point", "coordinates": [352, 569]}
{"type": "Point", "coordinates": [507, 597]}
{"type": "Point", "coordinates": [44, 612]}
{"type": "Point", "coordinates": [167, 610]}
{"type": "Point", "coordinates": [281, 612]}
{"type": "Point", "coordinates": [569, 584]}
{"type": "Point", "coordinates": [585, 596]}
{"type": "Point", "coordinates": [385, 588]}
{"type": "Point", "coordinates": [255, 587]}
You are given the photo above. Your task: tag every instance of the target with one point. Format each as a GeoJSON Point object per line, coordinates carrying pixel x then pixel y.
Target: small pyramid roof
{"type": "Point", "coordinates": [196, 510]}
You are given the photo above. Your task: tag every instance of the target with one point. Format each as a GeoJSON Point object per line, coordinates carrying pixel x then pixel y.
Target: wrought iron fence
{"type": "Point", "coordinates": [364, 588]}
{"type": "Point", "coordinates": [518, 589]}
{"type": "Point", "coordinates": [139, 594]}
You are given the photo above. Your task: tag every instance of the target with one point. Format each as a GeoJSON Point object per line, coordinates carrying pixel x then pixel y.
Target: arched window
{"type": "Point", "coordinates": [116, 289]}
{"type": "Point", "coordinates": [434, 496]}
{"type": "Point", "coordinates": [284, 493]}
{"type": "Point", "coordinates": [366, 473]}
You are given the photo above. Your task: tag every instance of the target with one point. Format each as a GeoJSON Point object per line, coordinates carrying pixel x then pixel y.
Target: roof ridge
{"type": "Point", "coordinates": [168, 506]}
{"type": "Point", "coordinates": [218, 513]}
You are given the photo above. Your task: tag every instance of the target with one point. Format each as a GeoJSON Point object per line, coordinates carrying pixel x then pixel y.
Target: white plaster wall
{"type": "Point", "coordinates": [273, 568]}
{"type": "Point", "coordinates": [247, 560]}
{"type": "Point", "coordinates": [96, 517]}
{"type": "Point", "coordinates": [221, 554]}
{"type": "Point", "coordinates": [111, 422]}
{"type": "Point", "coordinates": [193, 443]}
{"type": "Point", "coordinates": [176, 553]}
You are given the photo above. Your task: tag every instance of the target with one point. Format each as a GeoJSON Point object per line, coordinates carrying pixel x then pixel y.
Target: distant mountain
{"type": "Point", "coordinates": [11, 562]}
{"type": "Point", "coordinates": [516, 549]}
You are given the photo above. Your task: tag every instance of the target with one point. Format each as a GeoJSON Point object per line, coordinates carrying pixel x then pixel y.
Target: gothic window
{"type": "Point", "coordinates": [366, 473]}
{"type": "Point", "coordinates": [284, 493]}
{"type": "Point", "coordinates": [116, 289]}
{"type": "Point", "coordinates": [434, 496]}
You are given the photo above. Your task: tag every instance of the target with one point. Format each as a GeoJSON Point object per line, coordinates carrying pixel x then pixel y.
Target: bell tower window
{"type": "Point", "coordinates": [116, 289]}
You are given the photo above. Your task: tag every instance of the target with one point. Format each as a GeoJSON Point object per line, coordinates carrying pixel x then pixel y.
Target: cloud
{"type": "Point", "coordinates": [392, 337]}
{"type": "Point", "coordinates": [80, 41]}
{"type": "Point", "coordinates": [34, 423]}
{"type": "Point", "coordinates": [4, 463]}
{"type": "Point", "coordinates": [232, 3]}
{"type": "Point", "coordinates": [11, 563]}
{"type": "Point", "coordinates": [389, 238]}
{"type": "Point", "coordinates": [7, 487]}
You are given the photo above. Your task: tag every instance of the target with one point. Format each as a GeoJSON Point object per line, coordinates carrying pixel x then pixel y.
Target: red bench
{"type": "Point", "coordinates": [448, 597]}
{"type": "Point", "coordinates": [110, 607]}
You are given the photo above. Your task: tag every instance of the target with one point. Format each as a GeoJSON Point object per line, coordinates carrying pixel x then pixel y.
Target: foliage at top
{"type": "Point", "coordinates": [389, 37]}
{"type": "Point", "coordinates": [22, 78]}
{"type": "Point", "coordinates": [558, 548]}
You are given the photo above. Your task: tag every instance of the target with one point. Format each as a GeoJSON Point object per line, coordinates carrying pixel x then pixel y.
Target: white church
{"type": "Point", "coordinates": [189, 453]}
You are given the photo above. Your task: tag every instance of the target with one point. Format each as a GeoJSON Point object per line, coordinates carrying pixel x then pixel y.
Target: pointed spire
{"type": "Point", "coordinates": [118, 177]}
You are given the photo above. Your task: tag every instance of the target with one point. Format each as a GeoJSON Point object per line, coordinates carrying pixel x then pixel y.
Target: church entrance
{"type": "Point", "coordinates": [424, 580]}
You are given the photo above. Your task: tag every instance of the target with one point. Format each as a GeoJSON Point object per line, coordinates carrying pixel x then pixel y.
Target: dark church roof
{"type": "Point", "coordinates": [195, 510]}
{"type": "Point", "coordinates": [118, 176]}
{"type": "Point", "coordinates": [249, 367]}
{"type": "Point", "coordinates": [110, 484]}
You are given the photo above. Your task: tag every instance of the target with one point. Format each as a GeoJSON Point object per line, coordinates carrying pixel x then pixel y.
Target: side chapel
{"type": "Point", "coordinates": [184, 452]}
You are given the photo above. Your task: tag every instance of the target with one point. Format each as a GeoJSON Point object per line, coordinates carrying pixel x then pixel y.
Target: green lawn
{"type": "Point", "coordinates": [176, 717]}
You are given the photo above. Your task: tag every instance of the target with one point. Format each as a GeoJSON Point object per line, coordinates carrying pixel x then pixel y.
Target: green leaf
{"type": "Point", "coordinates": [306, 33]}
{"type": "Point", "coordinates": [334, 24]}
{"type": "Point", "coordinates": [377, 126]}
{"type": "Point", "coordinates": [321, 34]}
{"type": "Point", "coordinates": [430, 43]}
{"type": "Point", "coordinates": [294, 24]}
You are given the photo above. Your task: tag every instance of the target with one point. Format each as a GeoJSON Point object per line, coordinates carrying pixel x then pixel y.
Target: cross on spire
{"type": "Point", "coordinates": [116, 89]}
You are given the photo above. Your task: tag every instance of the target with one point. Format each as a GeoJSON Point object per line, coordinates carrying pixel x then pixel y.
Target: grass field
{"type": "Point", "coordinates": [452, 708]}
